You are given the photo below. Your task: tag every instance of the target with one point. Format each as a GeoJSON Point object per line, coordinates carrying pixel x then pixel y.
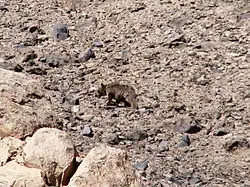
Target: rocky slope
{"type": "Point", "coordinates": [187, 60]}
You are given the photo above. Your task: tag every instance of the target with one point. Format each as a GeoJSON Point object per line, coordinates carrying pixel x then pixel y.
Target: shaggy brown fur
{"type": "Point", "coordinates": [120, 93]}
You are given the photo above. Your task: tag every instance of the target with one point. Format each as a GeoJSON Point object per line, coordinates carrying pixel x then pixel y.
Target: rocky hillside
{"type": "Point", "coordinates": [187, 60]}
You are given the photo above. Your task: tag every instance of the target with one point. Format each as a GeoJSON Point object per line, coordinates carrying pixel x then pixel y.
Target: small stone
{"type": "Point", "coordinates": [33, 28]}
{"type": "Point", "coordinates": [202, 81]}
{"type": "Point", "coordinates": [187, 125]}
{"type": "Point", "coordinates": [87, 56]}
{"type": "Point", "coordinates": [43, 59]}
{"type": "Point", "coordinates": [31, 55]}
{"type": "Point", "coordinates": [195, 180]}
{"type": "Point", "coordinates": [220, 132]}
{"type": "Point", "coordinates": [185, 141]}
{"type": "Point", "coordinates": [36, 70]}
{"type": "Point", "coordinates": [87, 131]}
{"type": "Point", "coordinates": [79, 160]}
{"type": "Point", "coordinates": [163, 146]}
{"type": "Point", "coordinates": [128, 143]}
{"type": "Point", "coordinates": [97, 44]}
{"type": "Point", "coordinates": [141, 166]}
{"type": "Point", "coordinates": [71, 99]}
{"type": "Point", "coordinates": [86, 118]}
{"type": "Point", "coordinates": [19, 45]}
{"type": "Point", "coordinates": [60, 31]}
{"type": "Point", "coordinates": [18, 68]}
{"type": "Point", "coordinates": [75, 108]}
{"type": "Point", "coordinates": [42, 38]}
{"type": "Point", "coordinates": [111, 138]}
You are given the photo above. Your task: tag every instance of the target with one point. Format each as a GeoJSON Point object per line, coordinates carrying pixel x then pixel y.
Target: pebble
{"type": "Point", "coordinates": [19, 45]}
{"type": "Point", "coordinates": [97, 44]}
{"type": "Point", "coordinates": [141, 166]}
{"type": "Point", "coordinates": [194, 181]}
{"type": "Point", "coordinates": [30, 56]}
{"type": "Point", "coordinates": [71, 99]}
{"type": "Point", "coordinates": [18, 68]}
{"type": "Point", "coordinates": [185, 141]}
{"type": "Point", "coordinates": [87, 131]}
{"type": "Point", "coordinates": [163, 146]}
{"type": "Point", "coordinates": [87, 56]}
{"type": "Point", "coordinates": [202, 81]}
{"type": "Point", "coordinates": [60, 31]}
{"type": "Point", "coordinates": [75, 108]}
{"type": "Point", "coordinates": [220, 132]}
{"type": "Point", "coordinates": [36, 70]}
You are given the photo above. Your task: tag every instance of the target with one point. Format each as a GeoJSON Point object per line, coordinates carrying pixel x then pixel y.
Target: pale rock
{"type": "Point", "coordinates": [53, 152]}
{"type": "Point", "coordinates": [23, 105]}
{"type": "Point", "coordinates": [9, 147]}
{"type": "Point", "coordinates": [105, 166]}
{"type": "Point", "coordinates": [14, 175]}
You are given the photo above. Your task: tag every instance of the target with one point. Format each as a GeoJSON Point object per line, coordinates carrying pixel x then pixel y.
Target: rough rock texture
{"type": "Point", "coordinates": [23, 105]}
{"type": "Point", "coordinates": [9, 147]}
{"type": "Point", "coordinates": [53, 152]}
{"type": "Point", "coordinates": [105, 166]}
{"type": "Point", "coordinates": [14, 175]}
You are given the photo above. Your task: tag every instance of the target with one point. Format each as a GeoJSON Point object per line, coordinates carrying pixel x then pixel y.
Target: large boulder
{"type": "Point", "coordinates": [9, 147]}
{"type": "Point", "coordinates": [15, 175]}
{"type": "Point", "coordinates": [24, 106]}
{"type": "Point", "coordinates": [52, 151]}
{"type": "Point", "coordinates": [105, 166]}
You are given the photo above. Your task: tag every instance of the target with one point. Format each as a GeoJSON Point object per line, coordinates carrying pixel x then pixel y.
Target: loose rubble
{"type": "Point", "coordinates": [187, 60]}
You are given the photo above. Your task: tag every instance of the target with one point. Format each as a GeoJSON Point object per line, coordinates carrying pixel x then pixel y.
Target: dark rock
{"type": "Point", "coordinates": [177, 41]}
{"type": "Point", "coordinates": [139, 6]}
{"type": "Point", "coordinates": [141, 166]}
{"type": "Point", "coordinates": [18, 68]}
{"type": "Point", "coordinates": [220, 132]}
{"type": "Point", "coordinates": [60, 31]}
{"type": "Point", "coordinates": [136, 135]}
{"type": "Point", "coordinates": [187, 125]}
{"type": "Point", "coordinates": [33, 28]}
{"type": "Point", "coordinates": [178, 180]}
{"type": "Point", "coordinates": [87, 56]}
{"type": "Point", "coordinates": [30, 56]}
{"type": "Point", "coordinates": [236, 142]}
{"type": "Point", "coordinates": [111, 138]}
{"type": "Point", "coordinates": [36, 70]}
{"type": "Point", "coordinates": [185, 141]}
{"type": "Point", "coordinates": [87, 131]}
